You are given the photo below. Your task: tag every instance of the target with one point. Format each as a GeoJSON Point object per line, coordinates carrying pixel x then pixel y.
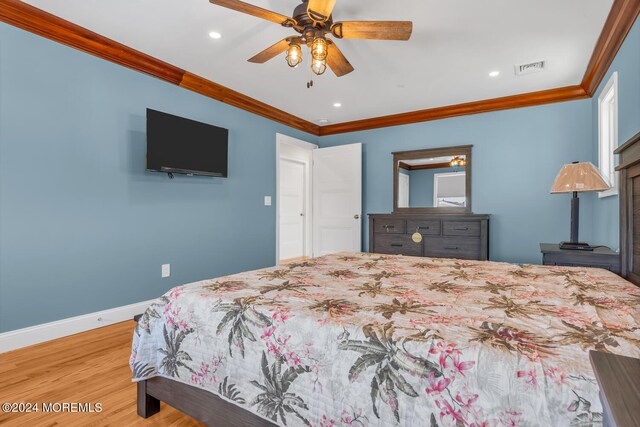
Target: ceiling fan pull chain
{"type": "Point", "coordinates": [310, 79]}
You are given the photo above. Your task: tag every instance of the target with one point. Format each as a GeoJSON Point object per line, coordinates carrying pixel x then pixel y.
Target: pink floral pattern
{"type": "Point", "coordinates": [357, 339]}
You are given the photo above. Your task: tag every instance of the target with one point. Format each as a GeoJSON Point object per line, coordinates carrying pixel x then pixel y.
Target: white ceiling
{"type": "Point", "coordinates": [455, 44]}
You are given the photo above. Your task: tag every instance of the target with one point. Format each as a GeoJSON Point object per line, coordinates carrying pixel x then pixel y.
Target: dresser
{"type": "Point", "coordinates": [463, 236]}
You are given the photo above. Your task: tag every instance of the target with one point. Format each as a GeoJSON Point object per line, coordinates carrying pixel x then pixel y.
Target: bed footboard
{"type": "Point", "coordinates": [195, 402]}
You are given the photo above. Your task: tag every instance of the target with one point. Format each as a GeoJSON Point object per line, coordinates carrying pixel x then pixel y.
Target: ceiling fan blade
{"type": "Point", "coordinates": [336, 60]}
{"type": "Point", "coordinates": [320, 10]}
{"type": "Point", "coordinates": [374, 30]}
{"type": "Point", "coordinates": [250, 9]}
{"type": "Point", "coordinates": [271, 52]}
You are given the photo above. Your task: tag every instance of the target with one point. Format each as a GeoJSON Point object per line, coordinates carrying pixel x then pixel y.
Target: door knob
{"type": "Point", "coordinates": [356, 216]}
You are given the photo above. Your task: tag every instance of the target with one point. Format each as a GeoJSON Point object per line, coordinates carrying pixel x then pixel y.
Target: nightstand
{"type": "Point", "coordinates": [601, 257]}
{"type": "Point", "coordinates": [619, 390]}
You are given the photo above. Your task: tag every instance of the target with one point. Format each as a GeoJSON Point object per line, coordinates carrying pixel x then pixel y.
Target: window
{"type": "Point", "coordinates": [449, 190]}
{"type": "Point", "coordinates": [608, 134]}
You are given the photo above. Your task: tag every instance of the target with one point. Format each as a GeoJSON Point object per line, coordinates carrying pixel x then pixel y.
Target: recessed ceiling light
{"type": "Point", "coordinates": [215, 35]}
{"type": "Point", "coordinates": [337, 105]}
{"type": "Point", "coordinates": [323, 121]}
{"type": "Point", "coordinates": [494, 74]}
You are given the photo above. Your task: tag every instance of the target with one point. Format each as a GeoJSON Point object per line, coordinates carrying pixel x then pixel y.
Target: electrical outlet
{"type": "Point", "coordinates": [267, 200]}
{"type": "Point", "coordinates": [166, 270]}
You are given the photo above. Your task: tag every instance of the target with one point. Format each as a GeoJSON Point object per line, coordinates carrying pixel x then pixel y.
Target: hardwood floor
{"type": "Point", "coordinates": [91, 367]}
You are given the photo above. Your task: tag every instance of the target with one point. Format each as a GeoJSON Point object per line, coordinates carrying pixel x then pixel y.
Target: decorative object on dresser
{"type": "Point", "coordinates": [617, 378]}
{"type": "Point", "coordinates": [599, 257]}
{"type": "Point", "coordinates": [629, 168]}
{"type": "Point", "coordinates": [576, 178]}
{"type": "Point", "coordinates": [464, 236]}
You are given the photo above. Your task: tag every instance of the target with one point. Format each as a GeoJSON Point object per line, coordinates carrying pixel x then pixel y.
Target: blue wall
{"type": "Point", "coordinates": [421, 186]}
{"type": "Point", "coordinates": [516, 156]}
{"type": "Point", "coordinates": [83, 227]}
{"type": "Point", "coordinates": [627, 64]}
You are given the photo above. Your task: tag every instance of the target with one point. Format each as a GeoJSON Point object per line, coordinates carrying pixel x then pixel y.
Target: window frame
{"type": "Point", "coordinates": [436, 179]}
{"type": "Point", "coordinates": [608, 103]}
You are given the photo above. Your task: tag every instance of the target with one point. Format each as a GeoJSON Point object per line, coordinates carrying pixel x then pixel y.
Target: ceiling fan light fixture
{"type": "Point", "coordinates": [318, 67]}
{"type": "Point", "coordinates": [294, 55]}
{"type": "Point", "coordinates": [319, 49]}
{"type": "Point", "coordinates": [313, 20]}
{"type": "Point", "coordinates": [458, 161]}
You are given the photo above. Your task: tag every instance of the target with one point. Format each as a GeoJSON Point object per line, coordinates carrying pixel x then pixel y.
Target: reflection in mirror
{"type": "Point", "coordinates": [432, 182]}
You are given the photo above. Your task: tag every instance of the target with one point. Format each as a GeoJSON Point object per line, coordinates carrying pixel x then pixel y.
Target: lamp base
{"type": "Point", "coordinates": [576, 246]}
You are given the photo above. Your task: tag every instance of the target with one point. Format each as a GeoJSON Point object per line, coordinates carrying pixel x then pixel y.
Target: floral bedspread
{"type": "Point", "coordinates": [356, 339]}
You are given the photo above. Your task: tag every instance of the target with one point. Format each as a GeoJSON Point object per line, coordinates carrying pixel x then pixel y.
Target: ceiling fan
{"type": "Point", "coordinates": [312, 19]}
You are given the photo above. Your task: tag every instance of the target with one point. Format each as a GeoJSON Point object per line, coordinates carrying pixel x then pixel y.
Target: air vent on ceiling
{"type": "Point", "coordinates": [533, 67]}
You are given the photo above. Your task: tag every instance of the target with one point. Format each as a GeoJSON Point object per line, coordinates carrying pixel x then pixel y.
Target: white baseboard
{"type": "Point", "coordinates": [61, 328]}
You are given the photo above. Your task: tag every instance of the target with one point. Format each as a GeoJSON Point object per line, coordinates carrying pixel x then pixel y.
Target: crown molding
{"type": "Point", "coordinates": [22, 15]}
{"type": "Point", "coordinates": [618, 24]}
{"type": "Point", "coordinates": [530, 99]}
{"type": "Point", "coordinates": [221, 93]}
{"type": "Point", "coordinates": [37, 21]}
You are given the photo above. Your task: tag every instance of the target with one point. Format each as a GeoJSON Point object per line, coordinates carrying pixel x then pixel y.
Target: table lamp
{"type": "Point", "coordinates": [577, 177]}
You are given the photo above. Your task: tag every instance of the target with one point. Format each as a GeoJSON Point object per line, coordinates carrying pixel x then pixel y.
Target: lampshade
{"type": "Point", "coordinates": [579, 177]}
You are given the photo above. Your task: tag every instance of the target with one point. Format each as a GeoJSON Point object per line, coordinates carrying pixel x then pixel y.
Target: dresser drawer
{"type": "Point", "coordinates": [389, 226]}
{"type": "Point", "coordinates": [452, 247]}
{"type": "Point", "coordinates": [461, 228]}
{"type": "Point", "coordinates": [424, 227]}
{"type": "Point", "coordinates": [398, 244]}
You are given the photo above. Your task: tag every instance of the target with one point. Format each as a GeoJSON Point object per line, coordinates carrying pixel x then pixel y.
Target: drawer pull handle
{"type": "Point", "coordinates": [451, 247]}
{"type": "Point", "coordinates": [423, 228]}
{"type": "Point", "coordinates": [461, 228]}
{"type": "Point", "coordinates": [397, 245]}
{"type": "Point", "coordinates": [387, 227]}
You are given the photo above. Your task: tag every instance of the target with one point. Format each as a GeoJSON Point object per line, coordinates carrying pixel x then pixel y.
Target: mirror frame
{"type": "Point", "coordinates": [398, 156]}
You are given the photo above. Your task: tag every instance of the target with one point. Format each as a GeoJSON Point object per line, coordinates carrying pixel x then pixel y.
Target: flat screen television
{"type": "Point", "coordinates": [179, 145]}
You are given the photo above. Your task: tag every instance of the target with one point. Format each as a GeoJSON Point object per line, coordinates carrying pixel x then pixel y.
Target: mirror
{"type": "Point", "coordinates": [433, 180]}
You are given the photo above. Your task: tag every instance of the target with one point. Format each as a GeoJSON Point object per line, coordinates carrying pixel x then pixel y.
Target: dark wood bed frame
{"type": "Point", "coordinates": [215, 411]}
{"type": "Point", "coordinates": [195, 402]}
{"type": "Point", "coordinates": [629, 168]}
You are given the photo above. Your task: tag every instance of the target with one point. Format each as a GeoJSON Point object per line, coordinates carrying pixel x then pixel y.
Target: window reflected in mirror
{"type": "Point", "coordinates": [432, 182]}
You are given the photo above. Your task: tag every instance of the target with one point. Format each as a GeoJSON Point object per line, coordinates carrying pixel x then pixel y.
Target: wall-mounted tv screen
{"type": "Point", "coordinates": [179, 145]}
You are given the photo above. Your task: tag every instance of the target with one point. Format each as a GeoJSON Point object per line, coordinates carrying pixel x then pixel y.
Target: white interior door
{"type": "Point", "coordinates": [292, 208]}
{"type": "Point", "coordinates": [403, 190]}
{"type": "Point", "coordinates": [337, 199]}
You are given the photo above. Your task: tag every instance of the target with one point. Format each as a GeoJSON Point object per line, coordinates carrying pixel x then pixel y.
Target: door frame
{"type": "Point", "coordinates": [308, 217]}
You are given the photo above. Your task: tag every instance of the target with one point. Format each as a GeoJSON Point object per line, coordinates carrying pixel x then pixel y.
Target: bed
{"type": "Point", "coordinates": [360, 339]}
